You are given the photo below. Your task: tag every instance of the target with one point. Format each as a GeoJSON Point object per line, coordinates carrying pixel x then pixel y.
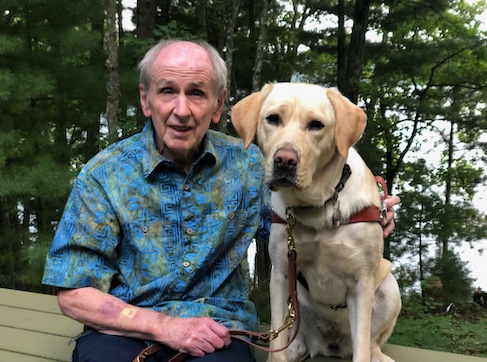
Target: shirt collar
{"type": "Point", "coordinates": [152, 159]}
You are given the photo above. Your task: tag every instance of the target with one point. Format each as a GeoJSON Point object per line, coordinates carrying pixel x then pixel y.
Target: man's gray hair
{"type": "Point", "coordinates": [219, 65]}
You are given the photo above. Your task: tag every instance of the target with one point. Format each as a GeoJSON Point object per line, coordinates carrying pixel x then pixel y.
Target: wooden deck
{"type": "Point", "coordinates": [32, 329]}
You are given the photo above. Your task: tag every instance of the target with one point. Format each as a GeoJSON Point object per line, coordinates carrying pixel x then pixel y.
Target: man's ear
{"type": "Point", "coordinates": [245, 114]}
{"type": "Point", "coordinates": [144, 101]}
{"type": "Point", "coordinates": [215, 118]}
{"type": "Point", "coordinates": [350, 121]}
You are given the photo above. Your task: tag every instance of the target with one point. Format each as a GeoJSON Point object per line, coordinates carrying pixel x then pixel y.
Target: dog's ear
{"type": "Point", "coordinates": [350, 121]}
{"type": "Point", "coordinates": [245, 114]}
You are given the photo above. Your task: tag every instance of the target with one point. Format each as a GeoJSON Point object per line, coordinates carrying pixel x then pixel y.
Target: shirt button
{"type": "Point", "coordinates": [231, 216]}
{"type": "Point", "coordinates": [144, 229]}
{"type": "Point", "coordinates": [186, 264]}
{"type": "Point", "coordinates": [190, 231]}
{"type": "Point", "coordinates": [186, 187]}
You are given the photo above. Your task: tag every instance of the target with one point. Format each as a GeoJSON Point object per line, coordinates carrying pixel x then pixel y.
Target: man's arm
{"type": "Point", "coordinates": [110, 315]}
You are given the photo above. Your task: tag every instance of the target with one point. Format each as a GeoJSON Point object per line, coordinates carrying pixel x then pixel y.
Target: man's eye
{"type": "Point", "coordinates": [166, 91]}
{"type": "Point", "coordinates": [196, 92]}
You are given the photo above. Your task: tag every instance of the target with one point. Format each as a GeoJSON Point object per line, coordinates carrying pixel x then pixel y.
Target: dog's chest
{"type": "Point", "coordinates": [323, 270]}
{"type": "Point", "coordinates": [329, 262]}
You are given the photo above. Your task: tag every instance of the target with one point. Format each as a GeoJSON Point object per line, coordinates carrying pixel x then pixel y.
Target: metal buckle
{"type": "Point", "coordinates": [383, 211]}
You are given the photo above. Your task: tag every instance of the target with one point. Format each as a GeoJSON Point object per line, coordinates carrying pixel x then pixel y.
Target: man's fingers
{"type": "Point", "coordinates": [223, 333]}
{"type": "Point", "coordinates": [391, 201]}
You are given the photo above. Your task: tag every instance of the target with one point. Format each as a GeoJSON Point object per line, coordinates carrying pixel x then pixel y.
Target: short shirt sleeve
{"type": "Point", "coordinates": [83, 252]}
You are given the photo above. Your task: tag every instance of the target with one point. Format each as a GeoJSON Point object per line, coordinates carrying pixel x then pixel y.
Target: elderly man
{"type": "Point", "coordinates": [153, 242]}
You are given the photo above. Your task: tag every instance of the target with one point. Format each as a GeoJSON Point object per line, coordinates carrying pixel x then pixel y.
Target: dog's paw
{"type": "Point", "coordinates": [297, 351]}
{"type": "Point", "coordinates": [378, 356]}
{"type": "Point", "coordinates": [277, 357]}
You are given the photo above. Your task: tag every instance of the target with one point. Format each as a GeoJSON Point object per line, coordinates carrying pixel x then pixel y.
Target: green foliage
{"type": "Point", "coordinates": [260, 297]}
{"type": "Point", "coordinates": [427, 331]}
{"type": "Point", "coordinates": [51, 97]}
{"type": "Point", "coordinates": [461, 330]}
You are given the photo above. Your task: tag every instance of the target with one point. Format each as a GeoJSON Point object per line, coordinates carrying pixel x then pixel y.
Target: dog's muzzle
{"type": "Point", "coordinates": [284, 168]}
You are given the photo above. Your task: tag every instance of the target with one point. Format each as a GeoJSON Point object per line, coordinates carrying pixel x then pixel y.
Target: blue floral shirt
{"type": "Point", "coordinates": [138, 227]}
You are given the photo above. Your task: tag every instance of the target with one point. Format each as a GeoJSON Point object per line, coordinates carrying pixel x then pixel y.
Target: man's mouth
{"type": "Point", "coordinates": [180, 128]}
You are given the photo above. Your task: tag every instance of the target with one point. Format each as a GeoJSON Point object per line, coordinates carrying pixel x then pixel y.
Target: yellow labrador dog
{"type": "Point", "coordinates": [348, 298]}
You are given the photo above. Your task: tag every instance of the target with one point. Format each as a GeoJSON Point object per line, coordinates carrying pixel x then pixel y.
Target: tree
{"type": "Point", "coordinates": [113, 79]}
{"type": "Point", "coordinates": [350, 70]}
{"type": "Point", "coordinates": [47, 47]}
{"type": "Point", "coordinates": [259, 53]}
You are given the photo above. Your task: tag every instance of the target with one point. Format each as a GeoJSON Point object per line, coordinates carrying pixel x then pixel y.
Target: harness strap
{"type": "Point", "coordinates": [369, 214]}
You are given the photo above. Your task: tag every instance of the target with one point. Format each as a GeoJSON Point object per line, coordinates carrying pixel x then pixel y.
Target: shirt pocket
{"type": "Point", "coordinates": [142, 253]}
{"type": "Point", "coordinates": [225, 227]}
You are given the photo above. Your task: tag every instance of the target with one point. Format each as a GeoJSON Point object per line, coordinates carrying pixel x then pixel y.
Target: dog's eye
{"type": "Point", "coordinates": [315, 125]}
{"type": "Point", "coordinates": [274, 119]}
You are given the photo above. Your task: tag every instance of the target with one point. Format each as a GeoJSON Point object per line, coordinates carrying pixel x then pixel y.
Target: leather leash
{"type": "Point", "coordinates": [247, 336]}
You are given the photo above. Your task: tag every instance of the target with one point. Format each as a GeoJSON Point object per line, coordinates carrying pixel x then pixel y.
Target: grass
{"type": "Point", "coordinates": [462, 331]}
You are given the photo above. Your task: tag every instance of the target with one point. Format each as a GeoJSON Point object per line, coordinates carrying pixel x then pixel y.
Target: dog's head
{"type": "Point", "coordinates": [301, 128]}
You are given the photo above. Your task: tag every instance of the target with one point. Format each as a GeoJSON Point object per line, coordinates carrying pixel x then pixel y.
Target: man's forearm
{"type": "Point", "coordinates": [109, 314]}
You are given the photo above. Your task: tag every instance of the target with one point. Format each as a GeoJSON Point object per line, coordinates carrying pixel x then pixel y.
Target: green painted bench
{"type": "Point", "coordinates": [32, 329]}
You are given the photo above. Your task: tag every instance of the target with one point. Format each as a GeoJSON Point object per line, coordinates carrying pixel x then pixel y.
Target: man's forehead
{"type": "Point", "coordinates": [184, 61]}
{"type": "Point", "coordinates": [167, 80]}
{"type": "Point", "coordinates": [184, 54]}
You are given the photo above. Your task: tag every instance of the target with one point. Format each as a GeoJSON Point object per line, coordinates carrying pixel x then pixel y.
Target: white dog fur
{"type": "Point", "coordinates": [306, 133]}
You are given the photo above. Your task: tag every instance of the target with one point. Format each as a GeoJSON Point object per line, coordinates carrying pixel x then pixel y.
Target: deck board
{"type": "Point", "coordinates": [30, 301]}
{"type": "Point", "coordinates": [48, 346]}
{"type": "Point", "coordinates": [36, 321]}
{"type": "Point", "coordinates": [16, 357]}
{"type": "Point", "coordinates": [33, 329]}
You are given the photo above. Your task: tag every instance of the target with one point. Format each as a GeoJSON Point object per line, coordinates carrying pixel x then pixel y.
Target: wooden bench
{"type": "Point", "coordinates": [32, 329]}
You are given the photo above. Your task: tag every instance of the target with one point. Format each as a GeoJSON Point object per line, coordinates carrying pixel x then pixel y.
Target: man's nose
{"type": "Point", "coordinates": [181, 108]}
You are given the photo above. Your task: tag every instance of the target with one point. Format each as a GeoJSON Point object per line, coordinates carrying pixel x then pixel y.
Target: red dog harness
{"type": "Point", "coordinates": [369, 214]}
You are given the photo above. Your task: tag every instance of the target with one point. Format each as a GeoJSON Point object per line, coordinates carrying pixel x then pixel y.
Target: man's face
{"type": "Point", "coordinates": [182, 101]}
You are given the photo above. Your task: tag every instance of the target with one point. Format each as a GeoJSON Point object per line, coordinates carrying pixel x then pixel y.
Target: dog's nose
{"type": "Point", "coordinates": [285, 158]}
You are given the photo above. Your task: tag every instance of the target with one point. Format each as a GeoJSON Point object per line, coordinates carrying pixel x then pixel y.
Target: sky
{"type": "Point", "coordinates": [476, 255]}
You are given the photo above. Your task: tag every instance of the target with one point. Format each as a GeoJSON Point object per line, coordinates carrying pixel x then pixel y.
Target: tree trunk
{"type": "Point", "coordinates": [341, 46]}
{"type": "Point", "coordinates": [230, 48]}
{"type": "Point", "coordinates": [259, 53]}
{"type": "Point", "coordinates": [146, 13]}
{"type": "Point", "coordinates": [444, 240]}
{"type": "Point", "coordinates": [262, 264]}
{"type": "Point", "coordinates": [351, 81]}
{"type": "Point", "coordinates": [120, 19]}
{"type": "Point", "coordinates": [229, 35]}
{"type": "Point", "coordinates": [201, 18]}
{"type": "Point", "coordinates": [113, 79]}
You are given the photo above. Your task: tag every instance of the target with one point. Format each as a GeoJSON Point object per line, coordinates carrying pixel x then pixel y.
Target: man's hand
{"type": "Point", "coordinates": [195, 336]}
{"type": "Point", "coordinates": [388, 224]}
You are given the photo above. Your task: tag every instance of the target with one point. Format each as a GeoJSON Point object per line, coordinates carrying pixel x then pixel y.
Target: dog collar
{"type": "Point", "coordinates": [368, 214]}
{"type": "Point", "coordinates": [346, 172]}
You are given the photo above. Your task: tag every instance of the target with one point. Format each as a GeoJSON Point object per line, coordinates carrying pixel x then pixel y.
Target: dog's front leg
{"type": "Point", "coordinates": [279, 291]}
{"type": "Point", "coordinates": [360, 301]}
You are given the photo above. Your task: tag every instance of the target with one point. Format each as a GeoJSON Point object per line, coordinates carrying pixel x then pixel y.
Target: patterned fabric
{"type": "Point", "coordinates": [137, 226]}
